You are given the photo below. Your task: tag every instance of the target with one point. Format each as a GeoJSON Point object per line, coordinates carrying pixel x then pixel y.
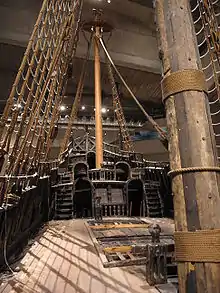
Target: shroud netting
{"type": "Point", "coordinates": [206, 17]}
{"type": "Point", "coordinates": [28, 124]}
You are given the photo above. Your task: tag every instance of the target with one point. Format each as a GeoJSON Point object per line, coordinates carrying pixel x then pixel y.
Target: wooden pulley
{"type": "Point", "coordinates": [54, 132]}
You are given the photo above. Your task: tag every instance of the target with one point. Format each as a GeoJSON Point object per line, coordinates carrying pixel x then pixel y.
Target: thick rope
{"type": "Point", "coordinates": [176, 172]}
{"type": "Point", "coordinates": [161, 132]}
{"type": "Point", "coordinates": [198, 246]}
{"type": "Point", "coordinates": [184, 80]}
{"type": "Point", "coordinates": [77, 101]}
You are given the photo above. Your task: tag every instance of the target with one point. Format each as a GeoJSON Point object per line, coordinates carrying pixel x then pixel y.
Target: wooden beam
{"type": "Point", "coordinates": [119, 226]}
{"type": "Point", "coordinates": [191, 143]}
{"type": "Point", "coordinates": [118, 249]}
{"type": "Point", "coordinates": [98, 103]}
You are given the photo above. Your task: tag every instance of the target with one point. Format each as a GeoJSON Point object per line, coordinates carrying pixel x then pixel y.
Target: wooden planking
{"type": "Point", "coordinates": [96, 244]}
{"type": "Point", "coordinates": [113, 233]}
{"type": "Point", "coordinates": [117, 249]}
{"type": "Point", "coordinates": [120, 256]}
{"type": "Point", "coordinates": [64, 260]}
{"type": "Point", "coordinates": [125, 263]}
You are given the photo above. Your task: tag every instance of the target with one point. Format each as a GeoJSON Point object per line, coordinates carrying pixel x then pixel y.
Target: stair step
{"type": "Point", "coordinates": [64, 198]}
{"type": "Point", "coordinates": [64, 206]}
{"type": "Point", "coordinates": [65, 193]}
{"type": "Point", "coordinates": [155, 210]}
{"type": "Point", "coordinates": [63, 217]}
{"type": "Point", "coordinates": [151, 190]}
{"type": "Point", "coordinates": [152, 200]}
{"type": "Point", "coordinates": [155, 214]}
{"type": "Point", "coordinates": [61, 211]}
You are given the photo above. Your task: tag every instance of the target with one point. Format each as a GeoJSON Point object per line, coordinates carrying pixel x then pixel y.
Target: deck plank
{"type": "Point", "coordinates": [64, 260]}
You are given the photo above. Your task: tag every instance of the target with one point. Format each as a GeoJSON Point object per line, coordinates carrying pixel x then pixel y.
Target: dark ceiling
{"type": "Point", "coordinates": [145, 85]}
{"type": "Point", "coordinates": [146, 3]}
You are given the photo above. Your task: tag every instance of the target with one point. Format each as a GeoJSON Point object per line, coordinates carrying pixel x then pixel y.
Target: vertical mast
{"type": "Point", "coordinates": [192, 148]}
{"type": "Point", "coordinates": [98, 98]}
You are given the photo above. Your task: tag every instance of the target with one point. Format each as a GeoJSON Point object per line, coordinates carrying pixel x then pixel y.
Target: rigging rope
{"type": "Point", "coordinates": [126, 140]}
{"type": "Point", "coordinates": [77, 101]}
{"type": "Point", "coordinates": [39, 85]}
{"type": "Point", "coordinates": [161, 132]}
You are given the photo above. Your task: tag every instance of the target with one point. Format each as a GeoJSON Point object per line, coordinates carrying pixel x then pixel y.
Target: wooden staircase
{"type": "Point", "coordinates": [154, 202]}
{"type": "Point", "coordinates": [64, 198]}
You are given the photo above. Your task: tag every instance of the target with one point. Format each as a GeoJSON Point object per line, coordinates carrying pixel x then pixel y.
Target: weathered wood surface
{"type": "Point", "coordinates": [118, 226]}
{"type": "Point", "coordinates": [63, 259]}
{"type": "Point", "coordinates": [127, 246]}
{"type": "Point", "coordinates": [191, 143]}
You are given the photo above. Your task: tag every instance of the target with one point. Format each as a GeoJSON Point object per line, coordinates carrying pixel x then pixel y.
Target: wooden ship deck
{"type": "Point", "coordinates": [63, 258]}
{"type": "Point", "coordinates": [100, 217]}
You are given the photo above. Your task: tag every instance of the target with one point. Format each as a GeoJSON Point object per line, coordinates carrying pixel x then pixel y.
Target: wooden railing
{"type": "Point", "coordinates": [102, 174]}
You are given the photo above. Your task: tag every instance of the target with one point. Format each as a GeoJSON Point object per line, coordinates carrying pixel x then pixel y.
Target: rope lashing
{"type": "Point", "coordinates": [184, 80]}
{"type": "Point", "coordinates": [180, 171]}
{"type": "Point", "coordinates": [198, 246]}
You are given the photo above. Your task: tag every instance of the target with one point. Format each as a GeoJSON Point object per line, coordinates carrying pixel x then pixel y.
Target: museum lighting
{"type": "Point", "coordinates": [62, 108]}
{"type": "Point", "coordinates": [104, 110]}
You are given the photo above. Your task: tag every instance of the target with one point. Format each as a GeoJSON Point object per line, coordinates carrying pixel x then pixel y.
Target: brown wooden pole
{"type": "Point", "coordinates": [191, 144]}
{"type": "Point", "coordinates": [98, 103]}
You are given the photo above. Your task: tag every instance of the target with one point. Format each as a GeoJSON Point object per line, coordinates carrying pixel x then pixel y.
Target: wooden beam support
{"type": "Point", "coordinates": [98, 103]}
{"type": "Point", "coordinates": [119, 226]}
{"type": "Point", "coordinates": [191, 143]}
{"type": "Point", "coordinates": [118, 249]}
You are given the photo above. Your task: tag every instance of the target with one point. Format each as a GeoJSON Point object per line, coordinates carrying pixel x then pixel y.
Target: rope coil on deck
{"type": "Point", "coordinates": [176, 172]}
{"type": "Point", "coordinates": [184, 80]}
{"type": "Point", "coordinates": [199, 246]}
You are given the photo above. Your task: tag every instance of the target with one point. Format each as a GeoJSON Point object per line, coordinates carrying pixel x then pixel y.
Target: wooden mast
{"type": "Point", "coordinates": [98, 98]}
{"type": "Point", "coordinates": [192, 147]}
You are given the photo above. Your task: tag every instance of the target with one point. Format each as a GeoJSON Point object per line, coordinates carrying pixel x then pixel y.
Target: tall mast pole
{"type": "Point", "coordinates": [192, 148]}
{"type": "Point", "coordinates": [98, 96]}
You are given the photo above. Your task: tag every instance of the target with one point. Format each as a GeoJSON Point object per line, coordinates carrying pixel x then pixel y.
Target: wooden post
{"type": "Point", "coordinates": [98, 103]}
{"type": "Point", "coordinates": [191, 143]}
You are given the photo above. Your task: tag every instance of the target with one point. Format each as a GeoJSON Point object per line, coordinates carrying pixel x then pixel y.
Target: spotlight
{"type": "Point", "coordinates": [104, 110]}
{"type": "Point", "coordinates": [109, 1]}
{"type": "Point", "coordinates": [62, 108]}
{"type": "Point", "coordinates": [83, 108]}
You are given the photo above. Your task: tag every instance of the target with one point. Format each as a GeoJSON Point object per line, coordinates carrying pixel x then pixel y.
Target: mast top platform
{"type": "Point", "coordinates": [97, 22]}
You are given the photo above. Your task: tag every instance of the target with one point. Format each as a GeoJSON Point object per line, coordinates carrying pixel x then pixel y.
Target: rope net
{"type": "Point", "coordinates": [206, 17]}
{"type": "Point", "coordinates": [29, 121]}
{"type": "Point", "coordinates": [126, 140]}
